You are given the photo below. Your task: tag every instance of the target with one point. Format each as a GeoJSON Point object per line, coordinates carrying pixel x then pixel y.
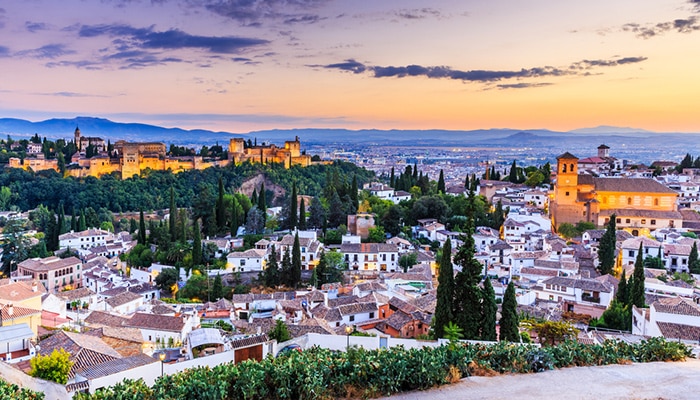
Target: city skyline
{"type": "Point", "coordinates": [244, 65]}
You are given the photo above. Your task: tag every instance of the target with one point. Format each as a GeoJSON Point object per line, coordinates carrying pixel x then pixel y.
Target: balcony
{"type": "Point", "coordinates": [589, 298]}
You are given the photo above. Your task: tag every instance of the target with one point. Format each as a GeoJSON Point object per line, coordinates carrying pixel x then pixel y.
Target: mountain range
{"type": "Point", "coordinates": [627, 140]}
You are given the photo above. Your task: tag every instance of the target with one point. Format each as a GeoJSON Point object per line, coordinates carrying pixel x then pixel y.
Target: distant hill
{"type": "Point", "coordinates": [606, 129]}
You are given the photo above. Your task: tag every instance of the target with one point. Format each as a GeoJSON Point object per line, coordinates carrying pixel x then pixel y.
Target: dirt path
{"type": "Point", "coordinates": [668, 381]}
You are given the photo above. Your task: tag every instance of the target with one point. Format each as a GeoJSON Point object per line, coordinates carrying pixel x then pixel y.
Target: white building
{"type": "Point", "coordinates": [371, 256]}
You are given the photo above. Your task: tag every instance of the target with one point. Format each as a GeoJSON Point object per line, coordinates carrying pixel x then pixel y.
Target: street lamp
{"type": "Point", "coordinates": [161, 356]}
{"type": "Point", "coordinates": [348, 331]}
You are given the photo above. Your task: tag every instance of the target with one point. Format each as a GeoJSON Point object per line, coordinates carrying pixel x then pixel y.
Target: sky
{"type": "Point", "coordinates": [245, 65]}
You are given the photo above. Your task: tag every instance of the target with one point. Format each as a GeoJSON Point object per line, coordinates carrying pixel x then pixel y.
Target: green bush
{"type": "Point", "coordinates": [12, 391]}
{"type": "Point", "coordinates": [358, 373]}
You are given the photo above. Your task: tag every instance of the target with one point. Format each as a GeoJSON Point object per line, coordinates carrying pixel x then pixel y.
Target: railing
{"type": "Point", "coordinates": [590, 299]}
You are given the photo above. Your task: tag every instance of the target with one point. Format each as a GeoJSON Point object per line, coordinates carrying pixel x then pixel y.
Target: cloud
{"type": "Point", "coordinates": [483, 76]}
{"type": "Point", "coordinates": [169, 40]}
{"type": "Point", "coordinates": [523, 85]}
{"type": "Point", "coordinates": [254, 12]}
{"type": "Point", "coordinates": [418, 13]}
{"type": "Point", "coordinates": [70, 94]}
{"type": "Point", "coordinates": [34, 27]}
{"type": "Point", "coordinates": [4, 51]}
{"type": "Point", "coordinates": [83, 64]}
{"type": "Point", "coordinates": [687, 25]}
{"type": "Point", "coordinates": [303, 19]}
{"type": "Point", "coordinates": [50, 51]}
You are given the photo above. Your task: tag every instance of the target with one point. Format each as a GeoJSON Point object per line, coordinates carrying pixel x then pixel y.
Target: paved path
{"type": "Point", "coordinates": [657, 381]}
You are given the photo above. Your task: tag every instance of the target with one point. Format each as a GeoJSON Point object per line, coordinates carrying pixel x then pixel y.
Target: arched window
{"type": "Point", "coordinates": [656, 202]}
{"type": "Point", "coordinates": [563, 169]}
{"type": "Point", "coordinates": [571, 167]}
{"type": "Point", "coordinates": [629, 200]}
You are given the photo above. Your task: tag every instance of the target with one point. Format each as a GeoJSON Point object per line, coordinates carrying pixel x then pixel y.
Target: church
{"type": "Point", "coordinates": [640, 205]}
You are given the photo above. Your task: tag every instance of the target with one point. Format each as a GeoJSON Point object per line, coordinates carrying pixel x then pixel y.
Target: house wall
{"type": "Point", "coordinates": [51, 390]}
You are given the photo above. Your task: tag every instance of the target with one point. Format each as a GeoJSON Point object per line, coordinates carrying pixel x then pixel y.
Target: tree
{"type": "Point", "coordinates": [552, 332]}
{"type": "Point", "coordinates": [286, 269]}
{"type": "Point", "coordinates": [271, 275]}
{"type": "Point", "coordinates": [509, 316]}
{"type": "Point", "coordinates": [262, 199]}
{"type": "Point", "coordinates": [296, 263]}
{"type": "Point", "coordinates": [693, 261]}
{"type": "Point", "coordinates": [217, 288]}
{"type": "Point", "coordinates": [142, 228]}
{"type": "Point", "coordinates": [279, 332]}
{"type": "Point", "coordinates": [489, 308]}
{"type": "Point", "coordinates": [52, 367]}
{"type": "Point", "coordinates": [637, 293]}
{"type": "Point", "coordinates": [196, 244]}
{"type": "Point", "coordinates": [337, 215]}
{"type": "Point", "coordinates": [606, 248]}
{"type": "Point", "coordinates": [82, 225]}
{"type": "Point", "coordinates": [255, 222]}
{"type": "Point", "coordinates": [445, 292]}
{"type": "Point", "coordinates": [376, 235]}
{"type": "Point", "coordinates": [317, 214]}
{"type": "Point", "coordinates": [16, 246]}
{"type": "Point", "coordinates": [167, 278]}
{"type": "Point", "coordinates": [234, 217]}
{"type": "Point", "coordinates": [567, 230]}
{"type": "Point", "coordinates": [220, 208]}
{"type": "Point", "coordinates": [353, 194]}
{"type": "Point", "coordinates": [391, 220]}
{"type": "Point", "coordinates": [513, 176]}
{"type": "Point", "coordinates": [292, 219]}
{"type": "Point", "coordinates": [302, 215]}
{"type": "Point", "coordinates": [617, 316]}
{"type": "Point", "coordinates": [622, 295]}
{"type": "Point", "coordinates": [441, 183]}
{"type": "Point", "coordinates": [408, 260]}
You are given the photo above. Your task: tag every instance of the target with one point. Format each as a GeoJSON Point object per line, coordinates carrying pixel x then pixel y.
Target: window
{"type": "Point", "coordinates": [618, 220]}
{"type": "Point", "coordinates": [242, 263]}
{"type": "Point", "coordinates": [656, 202]}
{"type": "Point", "coordinates": [352, 318]}
{"type": "Point", "coordinates": [629, 200]}
{"type": "Point", "coordinates": [605, 199]}
{"type": "Point", "coordinates": [653, 222]}
{"type": "Point", "coordinates": [571, 167]}
{"type": "Point", "coordinates": [631, 253]}
{"type": "Point", "coordinates": [371, 315]}
{"type": "Point", "coordinates": [627, 221]}
{"type": "Point", "coordinates": [563, 168]}
{"type": "Point", "coordinates": [567, 193]}
{"type": "Point", "coordinates": [644, 221]}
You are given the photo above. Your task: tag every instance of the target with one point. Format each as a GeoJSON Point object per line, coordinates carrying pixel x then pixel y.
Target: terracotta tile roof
{"type": "Point", "coordinates": [368, 248]}
{"type": "Point", "coordinates": [12, 292]}
{"type": "Point", "coordinates": [328, 314]}
{"type": "Point", "coordinates": [677, 305]}
{"type": "Point", "coordinates": [397, 304]}
{"type": "Point", "coordinates": [538, 271]}
{"type": "Point", "coordinates": [632, 185]}
{"type": "Point", "coordinates": [584, 284]}
{"type": "Point", "coordinates": [398, 320]}
{"type": "Point", "coordinates": [625, 212]}
{"type": "Point", "coordinates": [367, 286]}
{"type": "Point", "coordinates": [162, 309]}
{"type": "Point", "coordinates": [102, 318]}
{"type": "Point", "coordinates": [156, 322]}
{"type": "Point", "coordinates": [357, 308]}
{"type": "Point", "coordinates": [116, 366]}
{"type": "Point", "coordinates": [249, 341]}
{"type": "Point", "coordinates": [17, 312]}
{"type": "Point", "coordinates": [49, 263]}
{"type": "Point", "coordinates": [85, 350]}
{"type": "Point", "coordinates": [75, 294]}
{"type": "Point", "coordinates": [121, 333]}
{"type": "Point", "coordinates": [338, 301]}
{"type": "Point", "coordinates": [122, 298]}
{"type": "Point", "coordinates": [670, 330]}
{"type": "Point", "coordinates": [426, 302]}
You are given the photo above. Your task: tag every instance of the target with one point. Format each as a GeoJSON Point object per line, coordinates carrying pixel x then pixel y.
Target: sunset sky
{"type": "Point", "coordinates": [245, 65]}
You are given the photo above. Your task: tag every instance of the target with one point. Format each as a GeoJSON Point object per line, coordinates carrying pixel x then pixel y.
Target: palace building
{"type": "Point", "coordinates": [639, 204]}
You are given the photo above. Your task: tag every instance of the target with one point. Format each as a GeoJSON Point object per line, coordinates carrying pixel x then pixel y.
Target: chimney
{"type": "Point", "coordinates": [10, 309]}
{"type": "Point", "coordinates": [35, 287]}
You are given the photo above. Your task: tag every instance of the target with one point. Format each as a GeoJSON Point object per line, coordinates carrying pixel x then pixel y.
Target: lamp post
{"type": "Point", "coordinates": [348, 330]}
{"type": "Point", "coordinates": [161, 356]}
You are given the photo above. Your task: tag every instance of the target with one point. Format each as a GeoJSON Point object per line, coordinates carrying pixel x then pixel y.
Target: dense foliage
{"type": "Point", "coordinates": [12, 391]}
{"type": "Point", "coordinates": [322, 374]}
{"type": "Point", "coordinates": [52, 367]}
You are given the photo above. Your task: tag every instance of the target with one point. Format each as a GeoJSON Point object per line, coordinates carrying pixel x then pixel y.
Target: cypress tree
{"type": "Point", "coordinates": [302, 215]}
{"type": "Point", "coordinates": [445, 292]}
{"type": "Point", "coordinates": [271, 276]}
{"type": "Point", "coordinates": [415, 173]}
{"type": "Point", "coordinates": [217, 288]}
{"type": "Point", "coordinates": [142, 228]}
{"type": "Point", "coordinates": [513, 176]}
{"type": "Point", "coordinates": [467, 292]}
{"type": "Point", "coordinates": [74, 222]}
{"type": "Point", "coordinates": [262, 199]}
{"type": "Point", "coordinates": [293, 208]}
{"type": "Point", "coordinates": [693, 262]}
{"type": "Point", "coordinates": [286, 269]}
{"type": "Point", "coordinates": [489, 309]}
{"type": "Point", "coordinates": [606, 248]}
{"type": "Point", "coordinates": [220, 210]}
{"type": "Point", "coordinates": [196, 244]}
{"type": "Point", "coordinates": [82, 225]}
{"type": "Point", "coordinates": [254, 197]}
{"type": "Point", "coordinates": [296, 263]}
{"type": "Point", "coordinates": [234, 217]}
{"type": "Point", "coordinates": [172, 218]}
{"type": "Point", "coordinates": [466, 183]}
{"type": "Point", "coordinates": [61, 220]}
{"type": "Point", "coordinates": [392, 180]}
{"type": "Point", "coordinates": [509, 316]}
{"type": "Point", "coordinates": [132, 226]}
{"type": "Point", "coordinates": [622, 295]}
{"type": "Point", "coordinates": [637, 293]}
{"type": "Point", "coordinates": [441, 183]}
{"type": "Point", "coordinates": [353, 195]}
{"type": "Point", "coordinates": [183, 226]}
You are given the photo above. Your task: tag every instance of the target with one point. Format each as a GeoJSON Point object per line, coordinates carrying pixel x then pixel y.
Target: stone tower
{"type": "Point", "coordinates": [77, 138]}
{"type": "Point", "coordinates": [603, 151]}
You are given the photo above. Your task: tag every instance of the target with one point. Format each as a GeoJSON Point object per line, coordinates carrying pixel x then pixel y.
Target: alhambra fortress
{"type": "Point", "coordinates": [129, 159]}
